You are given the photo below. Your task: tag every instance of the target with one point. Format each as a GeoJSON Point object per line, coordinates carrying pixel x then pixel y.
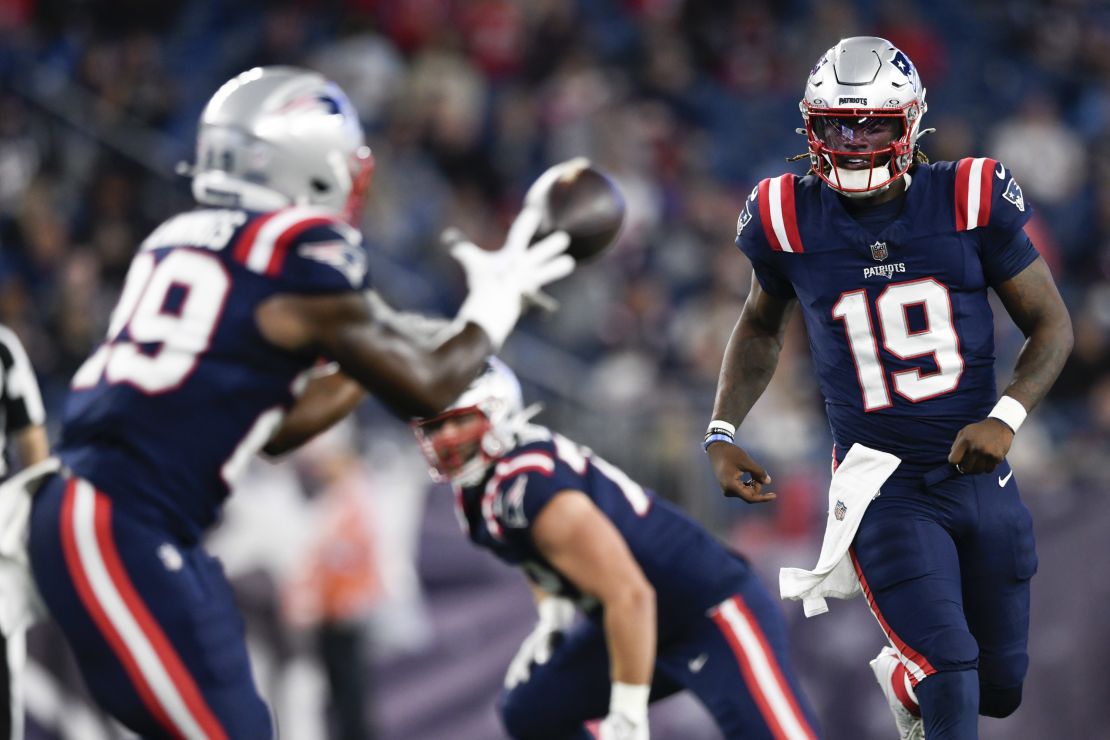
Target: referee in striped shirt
{"type": "Point", "coordinates": [21, 430]}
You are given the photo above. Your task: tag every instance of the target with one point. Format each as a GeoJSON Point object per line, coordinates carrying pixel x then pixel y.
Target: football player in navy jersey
{"type": "Point", "coordinates": [213, 351]}
{"type": "Point", "coordinates": [667, 607]}
{"type": "Point", "coordinates": [890, 259]}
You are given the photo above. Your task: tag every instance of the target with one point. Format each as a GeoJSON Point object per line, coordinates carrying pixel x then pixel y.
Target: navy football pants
{"type": "Point", "coordinates": [734, 659]}
{"type": "Point", "coordinates": [151, 620]}
{"type": "Point", "coordinates": [946, 571]}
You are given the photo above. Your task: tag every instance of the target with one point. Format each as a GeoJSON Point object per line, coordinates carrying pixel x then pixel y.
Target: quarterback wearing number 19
{"type": "Point", "coordinates": [214, 352]}
{"type": "Point", "coordinates": [890, 259]}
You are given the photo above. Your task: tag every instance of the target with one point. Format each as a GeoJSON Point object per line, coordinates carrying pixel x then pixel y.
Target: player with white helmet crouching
{"type": "Point", "coordinates": [666, 607]}
{"type": "Point", "coordinates": [213, 353]}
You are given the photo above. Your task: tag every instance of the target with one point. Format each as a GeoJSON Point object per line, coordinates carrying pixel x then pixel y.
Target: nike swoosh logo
{"type": "Point", "coordinates": [1000, 172]}
{"type": "Point", "coordinates": [1003, 481]}
{"type": "Point", "coordinates": [696, 664]}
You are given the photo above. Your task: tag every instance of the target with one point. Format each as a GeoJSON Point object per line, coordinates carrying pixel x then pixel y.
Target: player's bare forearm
{"type": "Point", "coordinates": [412, 380]}
{"type": "Point", "coordinates": [327, 399]}
{"type": "Point", "coordinates": [407, 374]}
{"type": "Point", "coordinates": [1034, 303]}
{"type": "Point", "coordinates": [752, 354]}
{"type": "Point", "coordinates": [581, 543]}
{"type": "Point", "coordinates": [630, 634]}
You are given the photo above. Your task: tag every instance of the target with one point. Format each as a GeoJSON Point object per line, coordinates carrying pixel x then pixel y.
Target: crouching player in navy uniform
{"type": "Point", "coordinates": [667, 607]}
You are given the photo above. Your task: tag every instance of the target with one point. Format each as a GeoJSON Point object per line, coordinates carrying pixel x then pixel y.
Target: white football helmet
{"type": "Point", "coordinates": [481, 426]}
{"type": "Point", "coordinates": [862, 109]}
{"type": "Point", "coordinates": [279, 136]}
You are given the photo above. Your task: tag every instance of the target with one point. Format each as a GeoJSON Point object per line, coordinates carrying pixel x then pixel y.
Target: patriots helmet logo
{"type": "Point", "coordinates": [879, 251]}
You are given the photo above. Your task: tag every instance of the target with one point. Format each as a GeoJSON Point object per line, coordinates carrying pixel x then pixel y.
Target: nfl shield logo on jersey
{"type": "Point", "coordinates": [840, 510]}
{"type": "Point", "coordinates": [879, 252]}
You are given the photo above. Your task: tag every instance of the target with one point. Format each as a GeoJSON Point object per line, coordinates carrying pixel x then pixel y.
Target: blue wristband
{"type": "Point", "coordinates": [715, 437]}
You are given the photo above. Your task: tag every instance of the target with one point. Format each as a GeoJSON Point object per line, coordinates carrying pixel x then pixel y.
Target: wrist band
{"type": "Point", "coordinates": [716, 437]}
{"type": "Point", "coordinates": [1010, 412]}
{"type": "Point", "coordinates": [718, 431]}
{"type": "Point", "coordinates": [630, 700]}
{"type": "Point", "coordinates": [718, 426]}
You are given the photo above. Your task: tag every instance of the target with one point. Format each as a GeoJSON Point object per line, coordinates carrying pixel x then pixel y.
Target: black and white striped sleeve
{"type": "Point", "coordinates": [19, 391]}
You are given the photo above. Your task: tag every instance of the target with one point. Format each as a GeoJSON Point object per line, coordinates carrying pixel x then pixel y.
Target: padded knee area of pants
{"type": "Point", "coordinates": [997, 701]}
{"type": "Point", "coordinates": [951, 649]}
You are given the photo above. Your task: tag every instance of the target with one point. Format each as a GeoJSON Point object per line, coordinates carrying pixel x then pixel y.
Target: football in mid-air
{"type": "Point", "coordinates": [580, 199]}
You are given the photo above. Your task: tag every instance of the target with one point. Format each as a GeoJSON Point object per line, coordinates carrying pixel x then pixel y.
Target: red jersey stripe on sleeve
{"type": "Point", "coordinates": [778, 215]}
{"type": "Point", "coordinates": [765, 214]}
{"type": "Point", "coordinates": [963, 171]}
{"type": "Point", "coordinates": [246, 239]}
{"type": "Point", "coordinates": [789, 215]}
{"type": "Point", "coordinates": [283, 242]}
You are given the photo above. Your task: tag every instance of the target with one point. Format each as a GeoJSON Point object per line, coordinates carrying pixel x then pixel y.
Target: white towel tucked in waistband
{"type": "Point", "coordinates": [854, 484]}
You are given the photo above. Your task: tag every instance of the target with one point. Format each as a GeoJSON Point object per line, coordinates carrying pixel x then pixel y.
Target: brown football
{"type": "Point", "coordinates": [587, 204]}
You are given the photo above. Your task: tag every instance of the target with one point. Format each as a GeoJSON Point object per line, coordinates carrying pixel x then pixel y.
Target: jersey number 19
{"type": "Point", "coordinates": [938, 339]}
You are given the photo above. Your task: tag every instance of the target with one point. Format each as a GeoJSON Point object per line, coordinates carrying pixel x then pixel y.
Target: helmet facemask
{"type": "Point", "coordinates": [860, 152]}
{"type": "Point", "coordinates": [459, 445]}
{"type": "Point", "coordinates": [481, 426]}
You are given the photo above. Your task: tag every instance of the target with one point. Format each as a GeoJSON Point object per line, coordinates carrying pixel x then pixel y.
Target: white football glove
{"type": "Point", "coordinates": [627, 718]}
{"type": "Point", "coordinates": [556, 616]}
{"type": "Point", "coordinates": [499, 281]}
{"type": "Point", "coordinates": [619, 727]}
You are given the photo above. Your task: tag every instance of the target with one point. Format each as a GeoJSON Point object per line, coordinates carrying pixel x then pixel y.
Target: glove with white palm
{"type": "Point", "coordinates": [556, 617]}
{"type": "Point", "coordinates": [500, 281]}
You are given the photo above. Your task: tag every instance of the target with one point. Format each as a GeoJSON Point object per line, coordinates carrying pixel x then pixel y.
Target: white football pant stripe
{"type": "Point", "coordinates": [111, 601]}
{"type": "Point", "coordinates": [767, 682]}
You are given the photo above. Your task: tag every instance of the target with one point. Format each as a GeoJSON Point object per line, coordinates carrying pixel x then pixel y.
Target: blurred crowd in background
{"type": "Point", "coordinates": [687, 104]}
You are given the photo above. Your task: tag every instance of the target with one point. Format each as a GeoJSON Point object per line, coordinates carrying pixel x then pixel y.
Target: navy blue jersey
{"type": "Point", "coordinates": [689, 570]}
{"type": "Point", "coordinates": [899, 325]}
{"type": "Point", "coordinates": [184, 389]}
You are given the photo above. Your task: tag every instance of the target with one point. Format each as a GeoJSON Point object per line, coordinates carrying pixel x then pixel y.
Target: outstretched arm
{"type": "Point", "coordinates": [406, 374]}
{"type": "Point", "coordinates": [397, 364]}
{"type": "Point", "coordinates": [1034, 303]}
{"type": "Point", "coordinates": [751, 356]}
